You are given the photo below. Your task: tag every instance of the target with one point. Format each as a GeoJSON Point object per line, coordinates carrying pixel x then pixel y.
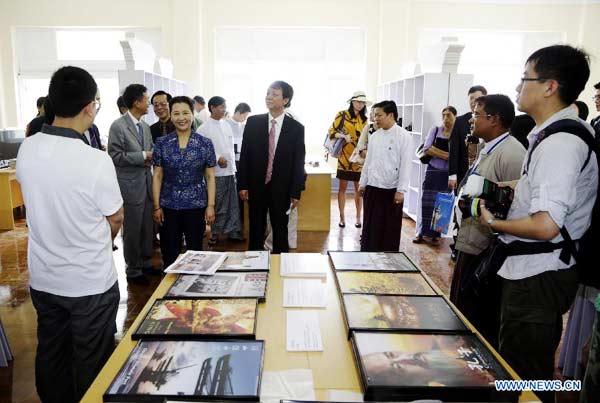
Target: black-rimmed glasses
{"type": "Point", "coordinates": [523, 79]}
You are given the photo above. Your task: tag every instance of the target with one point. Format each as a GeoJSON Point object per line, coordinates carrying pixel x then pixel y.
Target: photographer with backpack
{"type": "Point", "coordinates": [550, 213]}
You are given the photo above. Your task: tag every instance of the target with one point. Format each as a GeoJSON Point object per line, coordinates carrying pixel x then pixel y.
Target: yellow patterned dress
{"type": "Point", "coordinates": [347, 170]}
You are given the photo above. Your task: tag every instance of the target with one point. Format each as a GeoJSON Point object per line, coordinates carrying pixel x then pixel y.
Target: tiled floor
{"type": "Point", "coordinates": [17, 382]}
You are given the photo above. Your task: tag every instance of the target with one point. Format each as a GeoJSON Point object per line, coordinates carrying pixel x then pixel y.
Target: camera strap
{"type": "Point", "coordinates": [568, 245]}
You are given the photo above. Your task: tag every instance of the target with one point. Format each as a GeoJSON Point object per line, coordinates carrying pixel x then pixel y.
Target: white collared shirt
{"type": "Point", "coordinates": [388, 162]}
{"type": "Point", "coordinates": [238, 134]}
{"type": "Point", "coordinates": [219, 132]}
{"type": "Point", "coordinates": [554, 184]}
{"type": "Point", "coordinates": [278, 124]}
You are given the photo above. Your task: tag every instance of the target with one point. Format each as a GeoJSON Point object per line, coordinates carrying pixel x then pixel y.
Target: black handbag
{"type": "Point", "coordinates": [420, 153]}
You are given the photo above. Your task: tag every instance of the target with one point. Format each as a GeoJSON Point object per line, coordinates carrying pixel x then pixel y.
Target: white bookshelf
{"type": "Point", "coordinates": [153, 82]}
{"type": "Point", "coordinates": [420, 100]}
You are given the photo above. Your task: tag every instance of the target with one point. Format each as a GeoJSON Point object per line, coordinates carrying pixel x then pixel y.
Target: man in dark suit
{"type": "Point", "coordinates": [271, 174]}
{"type": "Point", "coordinates": [160, 102]}
{"type": "Point", "coordinates": [130, 147]}
{"type": "Point", "coordinates": [458, 158]}
{"type": "Point", "coordinates": [596, 121]}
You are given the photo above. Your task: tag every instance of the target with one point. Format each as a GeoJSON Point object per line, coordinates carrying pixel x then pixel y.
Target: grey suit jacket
{"type": "Point", "coordinates": [125, 150]}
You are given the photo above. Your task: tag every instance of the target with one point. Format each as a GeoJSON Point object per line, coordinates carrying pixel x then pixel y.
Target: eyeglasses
{"type": "Point", "coordinates": [476, 115]}
{"type": "Point", "coordinates": [97, 105]}
{"type": "Point", "coordinates": [523, 79]}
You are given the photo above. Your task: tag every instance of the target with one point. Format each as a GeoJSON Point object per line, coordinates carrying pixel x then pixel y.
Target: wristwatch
{"type": "Point", "coordinates": [490, 221]}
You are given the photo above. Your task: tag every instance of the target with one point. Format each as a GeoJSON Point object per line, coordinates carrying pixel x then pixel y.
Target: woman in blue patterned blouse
{"type": "Point", "coordinates": [184, 183]}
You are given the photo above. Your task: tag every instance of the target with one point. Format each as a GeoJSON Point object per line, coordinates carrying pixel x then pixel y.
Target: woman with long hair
{"type": "Point", "coordinates": [348, 124]}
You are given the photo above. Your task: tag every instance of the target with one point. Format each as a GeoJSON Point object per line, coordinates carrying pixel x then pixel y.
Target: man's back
{"type": "Point", "coordinates": [69, 189]}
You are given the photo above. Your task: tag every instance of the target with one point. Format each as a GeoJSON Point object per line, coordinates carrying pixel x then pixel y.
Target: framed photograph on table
{"type": "Point", "coordinates": [372, 261]}
{"type": "Point", "coordinates": [367, 312]}
{"type": "Point", "coordinates": [385, 283]}
{"type": "Point", "coordinates": [176, 319]}
{"type": "Point", "coordinates": [190, 370]}
{"type": "Point", "coordinates": [447, 367]}
{"type": "Point", "coordinates": [221, 285]}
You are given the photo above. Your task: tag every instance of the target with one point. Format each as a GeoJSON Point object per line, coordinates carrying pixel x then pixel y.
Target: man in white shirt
{"type": "Point", "coordinates": [384, 181]}
{"type": "Point", "coordinates": [227, 215]}
{"type": "Point", "coordinates": [557, 189]}
{"type": "Point", "coordinates": [74, 210]}
{"type": "Point", "coordinates": [237, 123]}
{"type": "Point", "coordinates": [200, 113]}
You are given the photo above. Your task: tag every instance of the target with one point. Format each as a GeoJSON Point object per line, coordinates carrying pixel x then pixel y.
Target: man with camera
{"type": "Point", "coordinates": [557, 190]}
{"type": "Point", "coordinates": [500, 160]}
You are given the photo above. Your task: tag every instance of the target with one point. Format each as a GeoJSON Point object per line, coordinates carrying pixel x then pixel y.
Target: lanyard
{"type": "Point", "coordinates": [476, 164]}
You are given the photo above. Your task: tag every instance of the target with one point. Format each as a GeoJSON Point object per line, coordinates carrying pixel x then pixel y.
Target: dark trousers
{"type": "Point", "coordinates": [590, 387]}
{"type": "Point", "coordinates": [276, 204]}
{"type": "Point", "coordinates": [76, 336]}
{"type": "Point", "coordinates": [190, 222]}
{"type": "Point", "coordinates": [240, 201]}
{"type": "Point", "coordinates": [382, 221]}
{"type": "Point", "coordinates": [481, 307]}
{"type": "Point", "coordinates": [138, 236]}
{"type": "Point", "coordinates": [531, 322]}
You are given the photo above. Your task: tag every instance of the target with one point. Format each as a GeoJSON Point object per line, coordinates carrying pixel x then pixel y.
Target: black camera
{"type": "Point", "coordinates": [497, 199]}
{"type": "Point", "coordinates": [471, 139]}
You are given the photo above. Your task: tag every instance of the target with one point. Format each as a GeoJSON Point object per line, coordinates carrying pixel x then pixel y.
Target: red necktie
{"type": "Point", "coordinates": [271, 151]}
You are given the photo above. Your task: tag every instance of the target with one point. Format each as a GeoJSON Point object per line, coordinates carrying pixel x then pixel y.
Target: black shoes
{"type": "Point", "coordinates": [140, 279]}
{"type": "Point", "coordinates": [151, 271]}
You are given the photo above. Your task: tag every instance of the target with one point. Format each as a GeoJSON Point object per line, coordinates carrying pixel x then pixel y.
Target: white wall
{"type": "Point", "coordinates": [392, 26]}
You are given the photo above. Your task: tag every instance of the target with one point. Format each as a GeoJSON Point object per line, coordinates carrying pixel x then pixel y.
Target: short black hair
{"type": "Point", "coordinates": [121, 102]}
{"type": "Point", "coordinates": [132, 93]}
{"type": "Point", "coordinates": [242, 107]}
{"type": "Point", "coordinates": [569, 66]}
{"type": "Point", "coordinates": [215, 101]}
{"type": "Point", "coordinates": [160, 92]}
{"type": "Point", "coordinates": [49, 114]}
{"type": "Point", "coordinates": [582, 109]}
{"type": "Point", "coordinates": [287, 91]}
{"type": "Point", "coordinates": [181, 100]}
{"type": "Point", "coordinates": [499, 105]}
{"type": "Point", "coordinates": [521, 127]}
{"type": "Point", "coordinates": [71, 89]}
{"type": "Point", "coordinates": [476, 88]}
{"type": "Point", "coordinates": [597, 86]}
{"type": "Point", "coordinates": [40, 102]}
{"type": "Point", "coordinates": [199, 99]}
{"type": "Point", "coordinates": [388, 107]}
{"type": "Point", "coordinates": [451, 109]}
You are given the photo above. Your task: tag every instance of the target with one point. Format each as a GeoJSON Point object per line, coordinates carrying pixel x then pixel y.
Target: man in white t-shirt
{"type": "Point", "coordinates": [74, 210]}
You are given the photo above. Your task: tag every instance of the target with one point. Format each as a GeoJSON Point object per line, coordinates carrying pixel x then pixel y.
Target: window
{"type": "Point", "coordinates": [495, 58]}
{"type": "Point", "coordinates": [325, 66]}
{"type": "Point", "coordinates": [89, 45]}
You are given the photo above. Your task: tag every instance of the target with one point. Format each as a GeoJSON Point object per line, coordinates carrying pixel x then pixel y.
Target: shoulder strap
{"type": "Point", "coordinates": [568, 245]}
{"type": "Point", "coordinates": [567, 126]}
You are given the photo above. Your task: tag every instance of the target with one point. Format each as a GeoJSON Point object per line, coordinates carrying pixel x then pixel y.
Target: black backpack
{"type": "Point", "coordinates": [585, 254]}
